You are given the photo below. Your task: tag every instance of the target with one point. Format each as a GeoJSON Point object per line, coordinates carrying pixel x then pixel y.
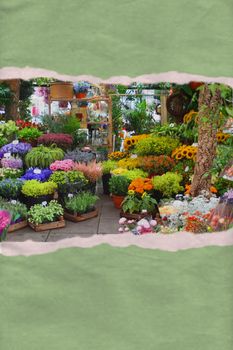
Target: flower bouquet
{"type": "Point", "coordinates": [143, 226]}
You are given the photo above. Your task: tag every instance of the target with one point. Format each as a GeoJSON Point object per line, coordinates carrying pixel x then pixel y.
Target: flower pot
{"type": "Point", "coordinates": [61, 90]}
{"type": "Point", "coordinates": [81, 94]}
{"type": "Point", "coordinates": [105, 181]}
{"type": "Point", "coordinates": [80, 217]}
{"type": "Point", "coordinates": [117, 200]}
{"type": "Point", "coordinates": [17, 226]}
{"type": "Point", "coordinates": [139, 216]}
{"type": "Point", "coordinates": [49, 225]}
{"type": "Point", "coordinates": [195, 84]}
{"type": "Point", "coordinates": [30, 201]}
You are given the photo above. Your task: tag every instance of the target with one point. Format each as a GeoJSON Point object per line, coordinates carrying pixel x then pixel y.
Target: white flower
{"type": "Point", "coordinates": [37, 171]}
{"type": "Point", "coordinates": [144, 223]}
{"type": "Point", "coordinates": [120, 229]}
{"type": "Point", "coordinates": [186, 169]}
{"type": "Point", "coordinates": [172, 125]}
{"type": "Point", "coordinates": [70, 195]}
{"type": "Point", "coordinates": [130, 221]}
{"type": "Point", "coordinates": [126, 229]}
{"type": "Point", "coordinates": [122, 221]}
{"type": "Point", "coordinates": [44, 203]}
{"type": "Point", "coordinates": [144, 211]}
{"type": "Point", "coordinates": [13, 201]}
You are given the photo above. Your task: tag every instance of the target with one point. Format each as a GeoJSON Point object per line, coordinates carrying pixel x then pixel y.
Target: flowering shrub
{"type": "Point", "coordinates": [130, 142]}
{"type": "Point", "coordinates": [63, 141]}
{"type": "Point", "coordinates": [156, 165]}
{"type": "Point", "coordinates": [130, 174]}
{"type": "Point", "coordinates": [182, 152]}
{"type": "Point", "coordinates": [141, 185]}
{"type": "Point", "coordinates": [16, 148]}
{"type": "Point", "coordinates": [163, 145]}
{"type": "Point", "coordinates": [117, 155]}
{"type": "Point", "coordinates": [130, 163]}
{"type": "Point", "coordinates": [25, 124]}
{"type": "Point", "coordinates": [65, 165]}
{"type": "Point", "coordinates": [5, 219]}
{"type": "Point", "coordinates": [222, 137]}
{"type": "Point", "coordinates": [168, 184]}
{"type": "Point", "coordinates": [92, 171]}
{"type": "Point", "coordinates": [61, 177]}
{"type": "Point", "coordinates": [190, 116]}
{"type": "Point", "coordinates": [41, 175]}
{"type": "Point", "coordinates": [188, 189]}
{"type": "Point", "coordinates": [12, 162]}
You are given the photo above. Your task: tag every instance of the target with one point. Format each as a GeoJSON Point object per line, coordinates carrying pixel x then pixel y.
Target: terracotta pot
{"type": "Point", "coordinates": [81, 94]}
{"type": "Point", "coordinates": [195, 84]}
{"type": "Point", "coordinates": [117, 200]}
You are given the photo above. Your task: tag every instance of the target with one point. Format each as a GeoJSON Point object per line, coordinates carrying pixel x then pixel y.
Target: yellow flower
{"type": "Point", "coordinates": [179, 156]}
{"type": "Point", "coordinates": [131, 192]}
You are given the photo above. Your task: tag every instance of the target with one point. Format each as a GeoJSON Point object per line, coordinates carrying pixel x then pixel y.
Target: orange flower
{"type": "Point", "coordinates": [213, 189]}
{"type": "Point", "coordinates": [188, 189]}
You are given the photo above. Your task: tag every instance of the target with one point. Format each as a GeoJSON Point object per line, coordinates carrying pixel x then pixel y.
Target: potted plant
{"type": "Point", "coordinates": [64, 165]}
{"type": "Point", "coordinates": [38, 174]}
{"type": "Point", "coordinates": [80, 156]}
{"type": "Point", "coordinates": [5, 219]}
{"type": "Point", "coordinates": [107, 167]}
{"type": "Point", "coordinates": [136, 206]}
{"type": "Point", "coordinates": [30, 135]}
{"type": "Point", "coordinates": [92, 171]}
{"type": "Point", "coordinates": [68, 182]}
{"type": "Point", "coordinates": [18, 213]}
{"type": "Point", "coordinates": [167, 185]}
{"type": "Point", "coordinates": [80, 207]}
{"type": "Point", "coordinates": [12, 162]}
{"type": "Point", "coordinates": [9, 173]}
{"type": "Point", "coordinates": [118, 186]}
{"type": "Point", "coordinates": [35, 192]}
{"type": "Point", "coordinates": [8, 130]}
{"type": "Point", "coordinates": [63, 141]}
{"type": "Point", "coordinates": [81, 89]}
{"type": "Point", "coordinates": [46, 217]}
{"type": "Point", "coordinates": [16, 147]}
{"type": "Point", "coordinates": [42, 156]}
{"type": "Point", "coordinates": [10, 188]}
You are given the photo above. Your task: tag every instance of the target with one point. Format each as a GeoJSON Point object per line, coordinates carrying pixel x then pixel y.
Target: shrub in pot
{"type": "Point", "coordinates": [63, 141]}
{"type": "Point", "coordinates": [64, 165]}
{"type": "Point", "coordinates": [10, 188]}
{"type": "Point", "coordinates": [118, 186]}
{"type": "Point", "coordinates": [12, 162]}
{"type": "Point", "coordinates": [38, 174]}
{"type": "Point", "coordinates": [15, 147]}
{"type": "Point", "coordinates": [141, 205]}
{"type": "Point", "coordinates": [107, 167]}
{"type": "Point", "coordinates": [43, 217]}
{"type": "Point", "coordinates": [163, 145]}
{"type": "Point", "coordinates": [42, 156]}
{"type": "Point", "coordinates": [30, 135]}
{"type": "Point", "coordinates": [130, 174]}
{"type": "Point", "coordinates": [92, 171]}
{"type": "Point", "coordinates": [81, 207]}
{"type": "Point", "coordinates": [167, 185]}
{"type": "Point", "coordinates": [68, 182]}
{"type": "Point", "coordinates": [36, 192]}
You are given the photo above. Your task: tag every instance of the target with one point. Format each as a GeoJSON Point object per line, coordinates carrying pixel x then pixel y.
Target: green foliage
{"type": "Point", "coordinates": [108, 166]}
{"type": "Point", "coordinates": [29, 134]}
{"type": "Point", "coordinates": [134, 174]}
{"type": "Point", "coordinates": [62, 124]}
{"type": "Point", "coordinates": [34, 188]}
{"type": "Point", "coordinates": [3, 141]}
{"type": "Point", "coordinates": [16, 209]}
{"type": "Point", "coordinates": [39, 214]}
{"type": "Point", "coordinates": [9, 173]}
{"type": "Point", "coordinates": [224, 155]}
{"type": "Point", "coordinates": [10, 188]}
{"type": "Point", "coordinates": [42, 156]}
{"type": "Point", "coordinates": [8, 131]}
{"type": "Point", "coordinates": [222, 185]}
{"type": "Point", "coordinates": [5, 94]}
{"type": "Point", "coordinates": [163, 145]}
{"type": "Point", "coordinates": [81, 203]}
{"type": "Point", "coordinates": [65, 177]}
{"type": "Point", "coordinates": [133, 204]}
{"type": "Point", "coordinates": [172, 130]}
{"type": "Point", "coordinates": [139, 120]}
{"type": "Point", "coordinates": [118, 185]}
{"type": "Point", "coordinates": [168, 184]}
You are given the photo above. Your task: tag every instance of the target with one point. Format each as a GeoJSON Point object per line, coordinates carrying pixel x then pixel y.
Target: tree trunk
{"type": "Point", "coordinates": [208, 115]}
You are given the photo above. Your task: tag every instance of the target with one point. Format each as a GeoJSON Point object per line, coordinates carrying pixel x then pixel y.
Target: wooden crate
{"type": "Point", "coordinates": [83, 217]}
{"type": "Point", "coordinates": [17, 226]}
{"type": "Point", "coordinates": [48, 226]}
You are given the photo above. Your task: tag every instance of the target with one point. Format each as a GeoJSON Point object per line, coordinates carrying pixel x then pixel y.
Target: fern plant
{"type": "Point", "coordinates": [42, 156]}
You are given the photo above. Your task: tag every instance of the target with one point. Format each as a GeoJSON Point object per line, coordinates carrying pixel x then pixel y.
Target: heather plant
{"type": "Point", "coordinates": [12, 162]}
{"type": "Point", "coordinates": [92, 170]}
{"type": "Point", "coordinates": [65, 165]}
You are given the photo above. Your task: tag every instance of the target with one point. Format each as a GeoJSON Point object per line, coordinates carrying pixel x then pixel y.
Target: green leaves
{"type": "Point", "coordinates": [42, 156]}
{"type": "Point", "coordinates": [40, 214]}
{"type": "Point", "coordinates": [81, 203]}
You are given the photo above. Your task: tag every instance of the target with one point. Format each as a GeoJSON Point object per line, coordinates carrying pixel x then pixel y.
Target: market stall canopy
{"type": "Point", "coordinates": [107, 39]}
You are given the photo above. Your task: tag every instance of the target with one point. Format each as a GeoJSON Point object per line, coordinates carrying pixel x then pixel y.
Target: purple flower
{"type": "Point", "coordinates": [19, 148]}
{"type": "Point", "coordinates": [41, 175]}
{"type": "Point", "coordinates": [12, 162]}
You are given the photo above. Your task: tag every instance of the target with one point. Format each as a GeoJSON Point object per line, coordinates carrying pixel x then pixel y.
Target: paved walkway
{"type": "Point", "coordinates": [105, 223]}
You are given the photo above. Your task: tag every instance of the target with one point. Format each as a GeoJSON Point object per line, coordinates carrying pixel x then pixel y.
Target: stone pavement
{"type": "Point", "coordinates": [106, 222]}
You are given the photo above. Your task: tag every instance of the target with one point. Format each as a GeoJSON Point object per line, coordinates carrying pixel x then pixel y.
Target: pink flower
{"type": "Point", "coordinates": [121, 230]}
{"type": "Point", "coordinates": [5, 219]}
{"type": "Point", "coordinates": [153, 223]}
{"type": "Point", "coordinates": [65, 165]}
{"type": "Point", "coordinates": [126, 229]}
{"type": "Point", "coordinates": [122, 221]}
{"type": "Point", "coordinates": [92, 171]}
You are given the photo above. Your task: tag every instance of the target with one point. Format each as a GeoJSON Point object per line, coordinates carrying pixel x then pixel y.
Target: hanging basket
{"type": "Point", "coordinates": [177, 105]}
{"type": "Point", "coordinates": [61, 90]}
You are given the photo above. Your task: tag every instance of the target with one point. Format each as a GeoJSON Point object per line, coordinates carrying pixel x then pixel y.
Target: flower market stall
{"type": "Point", "coordinates": [163, 177]}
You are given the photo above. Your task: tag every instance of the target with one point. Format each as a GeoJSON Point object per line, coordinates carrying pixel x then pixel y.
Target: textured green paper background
{"type": "Point", "coordinates": [106, 298]}
{"type": "Point", "coordinates": [118, 37]}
